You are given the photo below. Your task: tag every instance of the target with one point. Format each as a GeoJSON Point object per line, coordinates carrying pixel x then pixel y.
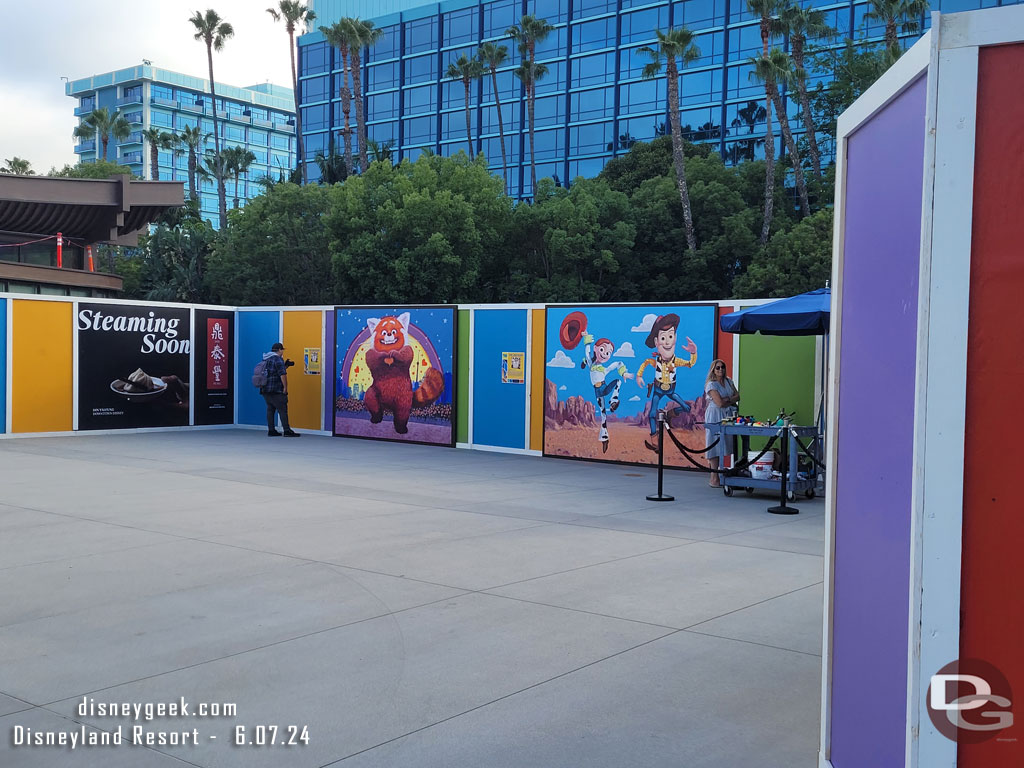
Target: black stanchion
{"type": "Point", "coordinates": [783, 509]}
{"type": "Point", "coordinates": [659, 496]}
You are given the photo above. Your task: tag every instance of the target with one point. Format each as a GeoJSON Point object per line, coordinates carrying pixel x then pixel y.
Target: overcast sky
{"type": "Point", "coordinates": [44, 40]}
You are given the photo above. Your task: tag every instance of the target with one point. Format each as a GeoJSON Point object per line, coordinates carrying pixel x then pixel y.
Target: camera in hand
{"type": "Point", "coordinates": [289, 363]}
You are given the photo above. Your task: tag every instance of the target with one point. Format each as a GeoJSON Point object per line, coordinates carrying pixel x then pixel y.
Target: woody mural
{"type": "Point", "coordinates": [662, 339]}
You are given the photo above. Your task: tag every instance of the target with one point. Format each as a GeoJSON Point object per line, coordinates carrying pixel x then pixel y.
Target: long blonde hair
{"type": "Point", "coordinates": [725, 379]}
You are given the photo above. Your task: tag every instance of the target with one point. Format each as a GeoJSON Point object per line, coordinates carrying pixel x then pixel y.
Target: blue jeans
{"type": "Point", "coordinates": [656, 395]}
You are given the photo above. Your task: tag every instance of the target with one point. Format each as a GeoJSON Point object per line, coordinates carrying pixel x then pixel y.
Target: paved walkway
{"type": "Point", "coordinates": [407, 605]}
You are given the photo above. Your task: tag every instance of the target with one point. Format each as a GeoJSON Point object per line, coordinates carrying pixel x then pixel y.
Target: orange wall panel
{"type": "Point", "coordinates": [537, 363]}
{"type": "Point", "coordinates": [305, 402]}
{"type": "Point", "coordinates": [41, 366]}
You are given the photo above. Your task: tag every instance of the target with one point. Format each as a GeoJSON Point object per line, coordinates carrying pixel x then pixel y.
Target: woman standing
{"type": "Point", "coordinates": [722, 397]}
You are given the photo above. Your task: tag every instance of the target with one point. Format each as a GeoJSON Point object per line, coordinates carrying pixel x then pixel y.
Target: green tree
{"type": "Point", "coordinates": [795, 261]}
{"type": "Point", "coordinates": [212, 30]}
{"type": "Point", "coordinates": [527, 33]}
{"type": "Point", "coordinates": [157, 140]}
{"type": "Point", "coordinates": [466, 70]}
{"type": "Point", "coordinates": [101, 124]}
{"type": "Point", "coordinates": [101, 169]}
{"type": "Point", "coordinates": [333, 169]}
{"type": "Point", "coordinates": [295, 16]}
{"type": "Point", "coordinates": [676, 44]}
{"type": "Point", "coordinates": [896, 15]}
{"type": "Point", "coordinates": [773, 69]}
{"type": "Point", "coordinates": [275, 251]}
{"type": "Point", "coordinates": [492, 56]}
{"type": "Point", "coordinates": [800, 24]}
{"type": "Point", "coordinates": [365, 36]}
{"type": "Point", "coordinates": [172, 262]}
{"type": "Point", "coordinates": [194, 141]}
{"type": "Point", "coordinates": [853, 69]}
{"type": "Point", "coordinates": [340, 35]}
{"type": "Point", "coordinates": [214, 167]}
{"type": "Point", "coordinates": [17, 166]}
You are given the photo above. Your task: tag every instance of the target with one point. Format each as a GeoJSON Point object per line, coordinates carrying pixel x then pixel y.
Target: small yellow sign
{"type": "Point", "coordinates": [311, 361]}
{"type": "Point", "coordinates": [513, 367]}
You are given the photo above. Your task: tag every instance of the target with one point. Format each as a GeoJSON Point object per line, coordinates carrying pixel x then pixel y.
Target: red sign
{"type": "Point", "coordinates": [217, 352]}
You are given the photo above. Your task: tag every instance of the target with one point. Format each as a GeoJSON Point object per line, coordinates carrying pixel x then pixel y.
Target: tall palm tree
{"type": "Point", "coordinates": [236, 162]}
{"type": "Point", "coordinates": [339, 35]}
{"type": "Point", "coordinates": [674, 45]}
{"type": "Point", "coordinates": [768, 10]}
{"type": "Point", "coordinates": [295, 15]}
{"type": "Point", "coordinates": [215, 168]}
{"type": "Point", "coordinates": [365, 37]}
{"type": "Point", "coordinates": [214, 31]}
{"type": "Point", "coordinates": [194, 141]}
{"type": "Point", "coordinates": [467, 70]}
{"type": "Point", "coordinates": [157, 140]}
{"type": "Point", "coordinates": [773, 70]}
{"type": "Point", "coordinates": [528, 32]}
{"type": "Point", "coordinates": [897, 15]}
{"type": "Point", "coordinates": [101, 124]}
{"type": "Point", "coordinates": [799, 24]}
{"type": "Point", "coordinates": [17, 166]}
{"type": "Point", "coordinates": [492, 56]}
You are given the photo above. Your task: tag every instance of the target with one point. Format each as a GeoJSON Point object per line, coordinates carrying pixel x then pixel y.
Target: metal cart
{"type": "Point", "coordinates": [788, 448]}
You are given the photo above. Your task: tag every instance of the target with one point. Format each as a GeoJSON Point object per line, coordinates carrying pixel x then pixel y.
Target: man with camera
{"type": "Point", "coordinates": [275, 391]}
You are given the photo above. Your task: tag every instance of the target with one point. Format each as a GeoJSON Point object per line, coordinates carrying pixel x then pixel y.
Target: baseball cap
{"type": "Point", "coordinates": [276, 346]}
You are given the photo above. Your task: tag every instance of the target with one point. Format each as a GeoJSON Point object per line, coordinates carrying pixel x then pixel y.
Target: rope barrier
{"type": "Point", "coordinates": [807, 451]}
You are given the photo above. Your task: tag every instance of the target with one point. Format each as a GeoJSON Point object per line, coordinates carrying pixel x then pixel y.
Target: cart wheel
{"type": "Point", "coordinates": [727, 490]}
{"type": "Point", "coordinates": [790, 496]}
{"type": "Point", "coordinates": [810, 493]}
{"type": "Point", "coordinates": [749, 490]}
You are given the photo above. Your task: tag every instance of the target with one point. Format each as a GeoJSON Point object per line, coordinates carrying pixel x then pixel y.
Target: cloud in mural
{"type": "Point", "coordinates": [562, 388]}
{"type": "Point", "coordinates": [645, 325]}
{"type": "Point", "coordinates": [626, 350]}
{"type": "Point", "coordinates": [561, 360]}
{"type": "Point", "coordinates": [635, 399]}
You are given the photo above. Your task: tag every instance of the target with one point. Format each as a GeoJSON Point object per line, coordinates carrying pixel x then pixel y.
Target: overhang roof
{"type": "Point", "coordinates": [110, 210]}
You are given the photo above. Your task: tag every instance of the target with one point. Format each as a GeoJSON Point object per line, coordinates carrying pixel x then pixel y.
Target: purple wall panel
{"type": "Point", "coordinates": [330, 325]}
{"type": "Point", "coordinates": [874, 461]}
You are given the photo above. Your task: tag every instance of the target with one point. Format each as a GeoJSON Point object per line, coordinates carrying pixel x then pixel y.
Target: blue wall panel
{"type": "Point", "coordinates": [3, 365]}
{"type": "Point", "coordinates": [499, 410]}
{"type": "Point", "coordinates": [256, 332]}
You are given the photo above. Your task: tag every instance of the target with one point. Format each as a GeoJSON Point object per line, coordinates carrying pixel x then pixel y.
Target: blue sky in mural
{"type": "Point", "coordinates": [627, 328]}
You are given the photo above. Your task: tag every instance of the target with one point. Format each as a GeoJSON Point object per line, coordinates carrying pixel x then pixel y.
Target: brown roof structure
{"type": "Point", "coordinates": [110, 210]}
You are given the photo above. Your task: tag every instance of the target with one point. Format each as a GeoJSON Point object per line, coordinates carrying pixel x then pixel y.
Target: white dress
{"type": "Point", "coordinates": [714, 414]}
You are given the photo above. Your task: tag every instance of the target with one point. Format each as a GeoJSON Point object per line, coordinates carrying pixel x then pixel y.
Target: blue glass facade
{"type": "Point", "coordinates": [260, 118]}
{"type": "Point", "coordinates": [593, 103]}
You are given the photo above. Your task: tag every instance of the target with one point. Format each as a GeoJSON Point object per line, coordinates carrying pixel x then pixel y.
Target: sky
{"type": "Point", "coordinates": [45, 40]}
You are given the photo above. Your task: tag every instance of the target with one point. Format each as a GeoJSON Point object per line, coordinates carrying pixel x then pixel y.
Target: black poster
{"type": "Point", "coordinates": [213, 373]}
{"type": "Point", "coordinates": [133, 366]}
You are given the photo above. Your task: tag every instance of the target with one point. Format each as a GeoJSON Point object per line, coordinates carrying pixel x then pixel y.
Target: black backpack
{"type": "Point", "coordinates": [259, 375]}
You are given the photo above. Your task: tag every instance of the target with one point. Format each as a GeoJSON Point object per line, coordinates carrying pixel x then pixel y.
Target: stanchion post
{"type": "Point", "coordinates": [660, 496]}
{"type": "Point", "coordinates": [783, 508]}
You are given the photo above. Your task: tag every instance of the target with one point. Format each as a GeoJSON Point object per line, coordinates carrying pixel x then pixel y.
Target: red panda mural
{"type": "Point", "coordinates": [389, 361]}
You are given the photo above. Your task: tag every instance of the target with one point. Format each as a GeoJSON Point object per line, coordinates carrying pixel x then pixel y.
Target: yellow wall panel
{"type": "Point", "coordinates": [537, 363]}
{"type": "Point", "coordinates": [302, 329]}
{"type": "Point", "coordinates": [41, 361]}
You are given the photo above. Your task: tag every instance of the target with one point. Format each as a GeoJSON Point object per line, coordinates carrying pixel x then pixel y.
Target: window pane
{"type": "Point", "coordinates": [418, 100]}
{"type": "Point", "coordinates": [590, 139]}
{"type": "Point", "coordinates": [387, 46]}
{"type": "Point", "coordinates": [584, 8]}
{"type": "Point", "coordinates": [421, 35]}
{"type": "Point", "coordinates": [699, 14]}
{"type": "Point", "coordinates": [593, 70]}
{"type": "Point", "coordinates": [382, 106]}
{"type": "Point", "coordinates": [382, 77]}
{"type": "Point", "coordinates": [588, 169]}
{"type": "Point", "coordinates": [644, 96]}
{"type": "Point", "coordinates": [313, 59]}
{"type": "Point", "coordinates": [639, 26]}
{"type": "Point", "coordinates": [499, 16]}
{"type": "Point", "coordinates": [555, 11]}
{"type": "Point", "coordinates": [314, 88]}
{"type": "Point", "coordinates": [421, 69]}
{"type": "Point", "coordinates": [595, 103]}
{"type": "Point", "coordinates": [593, 35]}
{"type": "Point", "coordinates": [554, 80]}
{"type": "Point", "coordinates": [460, 26]}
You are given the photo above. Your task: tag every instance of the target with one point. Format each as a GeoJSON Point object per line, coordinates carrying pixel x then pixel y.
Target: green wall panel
{"type": "Point", "coordinates": [777, 372]}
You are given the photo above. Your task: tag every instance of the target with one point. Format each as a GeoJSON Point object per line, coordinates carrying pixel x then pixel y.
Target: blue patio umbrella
{"type": "Point", "coordinates": [803, 315]}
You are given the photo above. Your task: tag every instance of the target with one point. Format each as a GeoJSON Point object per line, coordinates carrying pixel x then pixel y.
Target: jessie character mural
{"type": "Point", "coordinates": [604, 376]}
{"type": "Point", "coordinates": [662, 339]}
{"type": "Point", "coordinates": [389, 360]}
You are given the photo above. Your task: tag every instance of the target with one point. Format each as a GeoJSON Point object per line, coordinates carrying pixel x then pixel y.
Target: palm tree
{"type": "Point", "coordinates": [365, 37]}
{"type": "Point", "coordinates": [773, 69]}
{"type": "Point", "coordinates": [768, 11]}
{"type": "Point", "coordinates": [903, 15]}
{"type": "Point", "coordinates": [295, 14]}
{"type": "Point", "coordinates": [528, 32]}
{"type": "Point", "coordinates": [332, 169]}
{"type": "Point", "coordinates": [672, 45]}
{"type": "Point", "coordinates": [101, 124]}
{"type": "Point", "coordinates": [339, 35]}
{"type": "Point", "coordinates": [157, 140]}
{"type": "Point", "coordinates": [215, 168]}
{"type": "Point", "coordinates": [381, 153]}
{"type": "Point", "coordinates": [801, 23]}
{"type": "Point", "coordinates": [467, 70]}
{"type": "Point", "coordinates": [214, 31]}
{"type": "Point", "coordinates": [194, 140]}
{"type": "Point", "coordinates": [492, 56]}
{"type": "Point", "coordinates": [236, 162]}
{"type": "Point", "coordinates": [17, 166]}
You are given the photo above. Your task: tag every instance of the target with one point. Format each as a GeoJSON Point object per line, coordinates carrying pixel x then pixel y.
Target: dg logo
{"type": "Point", "coordinates": [969, 701]}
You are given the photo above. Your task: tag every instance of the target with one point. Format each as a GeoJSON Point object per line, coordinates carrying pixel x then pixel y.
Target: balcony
{"type": "Point", "coordinates": [85, 110]}
{"type": "Point", "coordinates": [85, 146]}
{"type": "Point", "coordinates": [285, 127]}
{"type": "Point", "coordinates": [239, 118]}
{"type": "Point", "coordinates": [163, 102]}
{"type": "Point", "coordinates": [134, 117]}
{"type": "Point", "coordinates": [132, 98]}
{"type": "Point", "coordinates": [131, 158]}
{"type": "Point", "coordinates": [192, 107]}
{"type": "Point", "coordinates": [135, 137]}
